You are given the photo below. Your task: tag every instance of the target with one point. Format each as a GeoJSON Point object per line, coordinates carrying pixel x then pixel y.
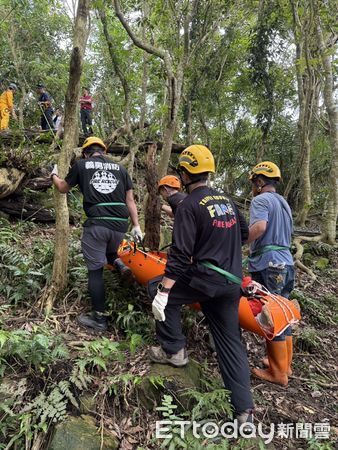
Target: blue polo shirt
{"type": "Point", "coordinates": [274, 209]}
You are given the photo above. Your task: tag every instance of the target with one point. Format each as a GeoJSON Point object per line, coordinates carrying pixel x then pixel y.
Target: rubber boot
{"type": "Point", "coordinates": [289, 347]}
{"type": "Point", "coordinates": [278, 367]}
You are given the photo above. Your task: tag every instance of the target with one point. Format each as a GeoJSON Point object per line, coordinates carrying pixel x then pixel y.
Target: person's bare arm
{"type": "Point", "coordinates": [131, 205]}
{"type": "Point", "coordinates": [168, 210]}
{"type": "Point", "coordinates": [61, 185]}
{"type": "Point", "coordinates": [256, 230]}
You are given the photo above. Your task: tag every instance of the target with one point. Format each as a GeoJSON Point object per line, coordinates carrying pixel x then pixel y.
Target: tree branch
{"type": "Point", "coordinates": [138, 41]}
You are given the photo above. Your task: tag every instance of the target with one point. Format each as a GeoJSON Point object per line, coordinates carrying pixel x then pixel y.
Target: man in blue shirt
{"type": "Point", "coordinates": [45, 103]}
{"type": "Point", "coordinates": [270, 261]}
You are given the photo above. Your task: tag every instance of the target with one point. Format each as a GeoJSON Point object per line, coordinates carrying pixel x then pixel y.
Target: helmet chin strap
{"type": "Point", "coordinates": [192, 182]}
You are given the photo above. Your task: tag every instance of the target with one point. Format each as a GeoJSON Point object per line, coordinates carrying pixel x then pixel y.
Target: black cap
{"type": "Point", "coordinates": [40, 85]}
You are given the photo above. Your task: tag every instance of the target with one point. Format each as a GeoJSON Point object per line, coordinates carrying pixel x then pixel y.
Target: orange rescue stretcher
{"type": "Point", "coordinates": [148, 265]}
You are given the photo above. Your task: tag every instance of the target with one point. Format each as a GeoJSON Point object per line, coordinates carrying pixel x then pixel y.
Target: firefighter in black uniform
{"type": "Point", "coordinates": [108, 201]}
{"type": "Point", "coordinates": [208, 234]}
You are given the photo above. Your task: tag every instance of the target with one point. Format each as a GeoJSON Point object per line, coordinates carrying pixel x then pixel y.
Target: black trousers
{"type": "Point", "coordinates": [221, 312]}
{"type": "Point", "coordinates": [47, 119]}
{"type": "Point", "coordinates": [86, 119]}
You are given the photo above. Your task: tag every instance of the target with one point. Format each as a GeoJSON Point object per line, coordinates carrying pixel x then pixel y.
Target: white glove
{"type": "Point", "coordinates": [158, 306]}
{"type": "Point", "coordinates": [55, 171]}
{"type": "Point", "coordinates": [137, 233]}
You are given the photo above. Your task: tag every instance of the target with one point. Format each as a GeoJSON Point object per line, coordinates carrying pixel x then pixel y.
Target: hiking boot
{"type": "Point", "coordinates": [95, 320]}
{"type": "Point", "coordinates": [158, 355]}
{"type": "Point", "coordinates": [245, 419]}
{"type": "Point", "coordinates": [125, 271]}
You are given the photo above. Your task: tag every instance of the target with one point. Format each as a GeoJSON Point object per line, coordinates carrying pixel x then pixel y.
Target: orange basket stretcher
{"type": "Point", "coordinates": [148, 265]}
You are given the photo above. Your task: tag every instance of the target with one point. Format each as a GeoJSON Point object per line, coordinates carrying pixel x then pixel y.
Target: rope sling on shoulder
{"type": "Point", "coordinates": [119, 219]}
{"type": "Point", "coordinates": [228, 275]}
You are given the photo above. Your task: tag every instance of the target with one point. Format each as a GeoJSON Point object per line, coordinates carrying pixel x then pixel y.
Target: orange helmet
{"type": "Point", "coordinates": [171, 181]}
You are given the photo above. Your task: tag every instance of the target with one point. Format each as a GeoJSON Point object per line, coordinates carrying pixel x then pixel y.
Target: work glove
{"type": "Point", "coordinates": [137, 233]}
{"type": "Point", "coordinates": [54, 171]}
{"type": "Point", "coordinates": [158, 306]}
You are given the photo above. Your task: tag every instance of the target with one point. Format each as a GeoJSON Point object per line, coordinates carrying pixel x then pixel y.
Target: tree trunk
{"type": "Point", "coordinates": [331, 206]}
{"type": "Point", "coordinates": [153, 206]}
{"type": "Point", "coordinates": [70, 140]}
{"type": "Point", "coordinates": [174, 101]}
{"type": "Point", "coordinates": [17, 59]}
{"type": "Point", "coordinates": [308, 101]}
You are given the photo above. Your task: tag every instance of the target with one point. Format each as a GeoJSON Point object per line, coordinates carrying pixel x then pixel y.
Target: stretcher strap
{"type": "Point", "coordinates": [158, 259]}
{"type": "Point", "coordinates": [110, 204]}
{"type": "Point", "coordinates": [119, 219]}
{"type": "Point", "coordinates": [264, 249]}
{"type": "Point", "coordinates": [282, 303]}
{"type": "Point", "coordinates": [228, 275]}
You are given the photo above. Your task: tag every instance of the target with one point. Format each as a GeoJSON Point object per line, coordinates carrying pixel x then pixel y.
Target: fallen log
{"type": "Point", "coordinates": [38, 183]}
{"type": "Point", "coordinates": [10, 178]}
{"type": "Point", "coordinates": [19, 209]}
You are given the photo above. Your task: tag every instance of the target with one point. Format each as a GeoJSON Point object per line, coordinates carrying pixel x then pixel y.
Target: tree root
{"type": "Point", "coordinates": [47, 299]}
{"type": "Point", "coordinates": [299, 254]}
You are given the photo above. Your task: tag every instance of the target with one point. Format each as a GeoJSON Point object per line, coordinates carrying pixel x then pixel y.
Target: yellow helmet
{"type": "Point", "coordinates": [197, 159]}
{"type": "Point", "coordinates": [266, 168]}
{"type": "Point", "coordinates": [94, 140]}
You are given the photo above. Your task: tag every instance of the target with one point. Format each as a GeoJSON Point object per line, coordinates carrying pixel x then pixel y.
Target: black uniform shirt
{"type": "Point", "coordinates": [175, 199]}
{"type": "Point", "coordinates": [102, 181]}
{"type": "Point", "coordinates": [207, 227]}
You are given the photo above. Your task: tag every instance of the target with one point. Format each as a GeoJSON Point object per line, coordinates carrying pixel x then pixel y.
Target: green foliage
{"type": "Point", "coordinates": [25, 269]}
{"type": "Point", "coordinates": [210, 405]}
{"type": "Point", "coordinates": [36, 415]}
{"type": "Point", "coordinates": [36, 349]}
{"type": "Point", "coordinates": [123, 383]}
{"type": "Point", "coordinates": [127, 311]}
{"type": "Point", "coordinates": [319, 249]}
{"type": "Point", "coordinates": [317, 310]}
{"type": "Point", "coordinates": [96, 354]}
{"type": "Point", "coordinates": [314, 444]}
{"type": "Point", "coordinates": [309, 340]}
{"type": "Point", "coordinates": [51, 407]}
{"type": "Point", "coordinates": [167, 410]}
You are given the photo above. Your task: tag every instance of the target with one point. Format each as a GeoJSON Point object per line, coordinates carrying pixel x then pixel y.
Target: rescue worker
{"type": "Point", "coordinates": [207, 237]}
{"type": "Point", "coordinates": [169, 188]}
{"type": "Point", "coordinates": [270, 262]}
{"type": "Point", "coordinates": [7, 106]}
{"type": "Point", "coordinates": [45, 104]}
{"type": "Point", "coordinates": [86, 107]}
{"type": "Point", "coordinates": [108, 202]}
